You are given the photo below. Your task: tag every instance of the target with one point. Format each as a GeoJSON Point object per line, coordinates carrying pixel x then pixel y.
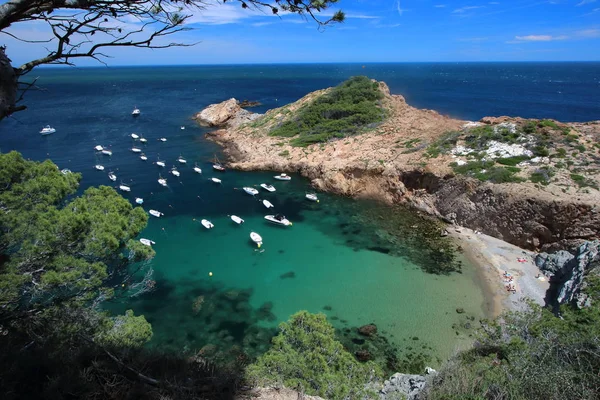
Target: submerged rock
{"type": "Point", "coordinates": [363, 355]}
{"type": "Point", "coordinates": [369, 330]}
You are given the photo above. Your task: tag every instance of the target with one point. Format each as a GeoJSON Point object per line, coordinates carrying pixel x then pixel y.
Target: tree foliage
{"type": "Point", "coordinates": [530, 355]}
{"type": "Point", "coordinates": [344, 111]}
{"type": "Point", "coordinates": [87, 28]}
{"type": "Point", "coordinates": [306, 356]}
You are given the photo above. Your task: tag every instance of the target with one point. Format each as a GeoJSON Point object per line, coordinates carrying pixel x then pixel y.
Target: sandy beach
{"type": "Point", "coordinates": [493, 257]}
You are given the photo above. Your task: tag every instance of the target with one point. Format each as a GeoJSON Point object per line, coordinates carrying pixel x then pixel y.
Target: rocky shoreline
{"type": "Point", "coordinates": [389, 164]}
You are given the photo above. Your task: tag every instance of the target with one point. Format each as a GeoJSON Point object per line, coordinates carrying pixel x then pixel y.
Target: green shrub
{"type": "Point", "coordinates": [548, 123]}
{"type": "Point", "coordinates": [306, 356]}
{"type": "Point", "coordinates": [542, 175]}
{"type": "Point", "coordinates": [346, 110]}
{"type": "Point", "coordinates": [541, 151]}
{"type": "Point", "coordinates": [530, 127]}
{"type": "Point", "coordinates": [487, 171]}
{"type": "Point", "coordinates": [284, 153]}
{"type": "Point", "coordinates": [443, 145]}
{"type": "Point", "coordinates": [512, 160]}
{"type": "Point", "coordinates": [560, 153]}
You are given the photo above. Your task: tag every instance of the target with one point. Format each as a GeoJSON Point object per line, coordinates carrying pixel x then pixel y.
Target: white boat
{"type": "Point", "coordinates": [181, 160]}
{"type": "Point", "coordinates": [251, 191]}
{"type": "Point", "coordinates": [207, 224]}
{"type": "Point", "coordinates": [160, 163]}
{"type": "Point", "coordinates": [278, 219]}
{"type": "Point", "coordinates": [99, 167]}
{"type": "Point", "coordinates": [106, 152]}
{"type": "Point", "coordinates": [215, 180]}
{"type": "Point", "coordinates": [136, 150]}
{"type": "Point", "coordinates": [162, 139]}
{"type": "Point", "coordinates": [112, 176]}
{"type": "Point", "coordinates": [155, 213]}
{"type": "Point", "coordinates": [175, 172]}
{"type": "Point", "coordinates": [197, 169]}
{"type": "Point", "coordinates": [147, 242]}
{"type": "Point", "coordinates": [98, 148]}
{"type": "Point", "coordinates": [124, 188]}
{"type": "Point", "coordinates": [256, 238]}
{"type": "Point", "coordinates": [134, 136]}
{"type": "Point", "coordinates": [283, 177]}
{"type": "Point", "coordinates": [47, 130]}
{"type": "Point", "coordinates": [143, 139]}
{"type": "Point", "coordinates": [162, 181]}
{"type": "Point", "coordinates": [218, 167]}
{"type": "Point", "coordinates": [268, 204]}
{"type": "Point", "coordinates": [237, 219]}
{"type": "Point", "coordinates": [139, 200]}
{"type": "Point", "coordinates": [65, 171]}
{"type": "Point", "coordinates": [268, 187]}
{"type": "Point", "coordinates": [136, 111]}
{"type": "Point", "coordinates": [182, 127]}
{"type": "Point", "coordinates": [312, 197]}
{"type": "Point", "coordinates": [143, 157]}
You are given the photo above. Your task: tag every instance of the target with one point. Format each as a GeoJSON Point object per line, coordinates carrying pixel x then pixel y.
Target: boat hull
{"type": "Point", "coordinates": [282, 222]}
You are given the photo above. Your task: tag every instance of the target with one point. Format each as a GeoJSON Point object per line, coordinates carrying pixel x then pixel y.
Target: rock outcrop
{"type": "Point", "coordinates": [390, 163]}
{"type": "Point", "coordinates": [403, 386]}
{"type": "Point", "coordinates": [226, 114]}
{"type": "Point", "coordinates": [567, 272]}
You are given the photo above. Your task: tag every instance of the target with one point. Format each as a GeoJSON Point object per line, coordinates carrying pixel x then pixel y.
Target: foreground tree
{"type": "Point", "coordinates": [87, 28]}
{"type": "Point", "coordinates": [307, 357]}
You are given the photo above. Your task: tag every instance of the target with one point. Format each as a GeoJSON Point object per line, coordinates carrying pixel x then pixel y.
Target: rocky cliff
{"type": "Point", "coordinates": [458, 170]}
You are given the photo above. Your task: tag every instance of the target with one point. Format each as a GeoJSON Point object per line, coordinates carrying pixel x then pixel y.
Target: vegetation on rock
{"type": "Point", "coordinates": [344, 111]}
{"type": "Point", "coordinates": [305, 355]}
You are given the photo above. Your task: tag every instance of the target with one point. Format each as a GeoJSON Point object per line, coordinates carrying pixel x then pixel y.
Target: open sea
{"type": "Point", "coordinates": [339, 257]}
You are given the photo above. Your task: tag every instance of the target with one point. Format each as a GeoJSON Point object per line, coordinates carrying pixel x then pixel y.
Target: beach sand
{"type": "Point", "coordinates": [493, 257]}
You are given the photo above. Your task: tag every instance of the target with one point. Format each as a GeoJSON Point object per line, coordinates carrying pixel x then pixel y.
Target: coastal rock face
{"type": "Point", "coordinates": [408, 386]}
{"type": "Point", "coordinates": [567, 271]}
{"type": "Point", "coordinates": [225, 114]}
{"type": "Point", "coordinates": [275, 394]}
{"type": "Point", "coordinates": [391, 163]}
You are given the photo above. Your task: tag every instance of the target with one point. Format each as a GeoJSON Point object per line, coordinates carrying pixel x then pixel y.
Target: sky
{"type": "Point", "coordinates": [374, 31]}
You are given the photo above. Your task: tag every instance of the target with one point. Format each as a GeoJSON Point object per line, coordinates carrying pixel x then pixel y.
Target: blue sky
{"type": "Point", "coordinates": [374, 31]}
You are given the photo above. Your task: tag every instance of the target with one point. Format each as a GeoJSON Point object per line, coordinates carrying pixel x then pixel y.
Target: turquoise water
{"type": "Point", "coordinates": [357, 262]}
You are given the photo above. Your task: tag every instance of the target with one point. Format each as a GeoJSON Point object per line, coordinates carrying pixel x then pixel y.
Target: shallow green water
{"type": "Point", "coordinates": [322, 264]}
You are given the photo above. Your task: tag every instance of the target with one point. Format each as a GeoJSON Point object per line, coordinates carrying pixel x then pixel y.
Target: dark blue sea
{"type": "Point", "coordinates": [332, 259]}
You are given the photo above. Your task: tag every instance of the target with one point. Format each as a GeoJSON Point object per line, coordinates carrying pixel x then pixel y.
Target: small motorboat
{"type": "Point", "coordinates": [215, 180]}
{"type": "Point", "coordinates": [136, 112]}
{"type": "Point", "coordinates": [98, 148]}
{"type": "Point", "coordinates": [197, 168]}
{"type": "Point", "coordinates": [218, 167]}
{"type": "Point", "coordinates": [268, 187]}
{"type": "Point", "coordinates": [143, 157]}
{"type": "Point", "coordinates": [112, 176]}
{"type": "Point", "coordinates": [256, 238]}
{"type": "Point", "coordinates": [147, 242]}
{"type": "Point", "coordinates": [181, 160]}
{"type": "Point", "coordinates": [139, 200]}
{"type": "Point", "coordinates": [175, 172]}
{"type": "Point", "coordinates": [278, 219]}
{"type": "Point", "coordinates": [106, 152]}
{"type": "Point", "coordinates": [65, 171]}
{"type": "Point", "coordinates": [134, 136]}
{"type": "Point", "coordinates": [207, 224]}
{"type": "Point", "coordinates": [162, 139]}
{"type": "Point", "coordinates": [136, 150]}
{"type": "Point", "coordinates": [47, 130]}
{"type": "Point", "coordinates": [155, 213]}
{"type": "Point", "coordinates": [162, 181]}
{"type": "Point", "coordinates": [124, 188]}
{"type": "Point", "coordinates": [268, 204]}
{"type": "Point", "coordinates": [143, 139]}
{"type": "Point", "coordinates": [237, 219]}
{"type": "Point", "coordinates": [99, 167]}
{"type": "Point", "coordinates": [283, 177]}
{"type": "Point", "coordinates": [182, 127]}
{"type": "Point", "coordinates": [312, 197]}
{"type": "Point", "coordinates": [251, 191]}
{"type": "Point", "coordinates": [160, 163]}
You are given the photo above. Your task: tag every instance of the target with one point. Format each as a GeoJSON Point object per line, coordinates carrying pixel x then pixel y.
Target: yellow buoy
{"type": "Point", "coordinates": [317, 201]}
{"type": "Point", "coordinates": [210, 274]}
{"type": "Point", "coordinates": [258, 245]}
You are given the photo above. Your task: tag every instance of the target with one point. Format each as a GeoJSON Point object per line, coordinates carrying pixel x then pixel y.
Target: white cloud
{"type": "Point", "coordinates": [474, 39]}
{"type": "Point", "coordinates": [540, 38]}
{"type": "Point", "coordinates": [588, 33]}
{"type": "Point", "coordinates": [440, 6]}
{"type": "Point", "coordinates": [465, 9]}
{"type": "Point", "coordinates": [584, 2]}
{"type": "Point", "coordinates": [399, 8]}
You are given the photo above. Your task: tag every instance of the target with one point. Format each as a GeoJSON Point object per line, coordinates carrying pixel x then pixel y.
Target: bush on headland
{"type": "Point", "coordinates": [344, 111]}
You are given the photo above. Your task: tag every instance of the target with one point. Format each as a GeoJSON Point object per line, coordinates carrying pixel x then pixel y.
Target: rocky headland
{"type": "Point", "coordinates": [531, 183]}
